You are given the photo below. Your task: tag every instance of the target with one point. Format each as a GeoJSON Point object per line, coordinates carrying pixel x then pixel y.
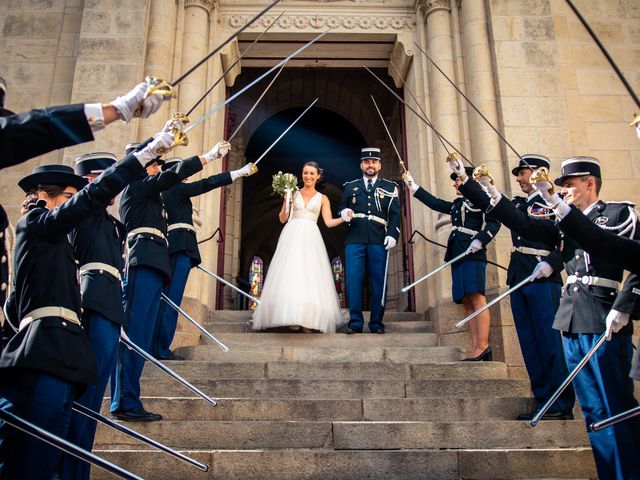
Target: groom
{"type": "Point", "coordinates": [371, 208]}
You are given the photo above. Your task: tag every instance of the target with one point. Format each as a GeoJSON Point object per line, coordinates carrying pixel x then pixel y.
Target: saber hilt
{"type": "Point", "coordinates": [207, 334]}
{"type": "Point", "coordinates": [540, 413]}
{"type": "Point", "coordinates": [87, 412]}
{"type": "Point", "coordinates": [60, 443]}
{"type": "Point", "coordinates": [157, 86]}
{"type": "Point", "coordinates": [179, 135]}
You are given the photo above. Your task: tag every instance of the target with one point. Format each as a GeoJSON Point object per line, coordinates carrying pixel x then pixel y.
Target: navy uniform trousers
{"type": "Point", "coordinates": [373, 256]}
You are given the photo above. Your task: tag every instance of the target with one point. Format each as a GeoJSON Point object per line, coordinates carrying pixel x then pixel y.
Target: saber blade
{"type": "Point", "coordinates": [87, 412]}
{"type": "Point", "coordinates": [621, 417]}
{"type": "Point", "coordinates": [441, 267]}
{"type": "Point", "coordinates": [390, 137]}
{"type": "Point", "coordinates": [285, 132]}
{"type": "Point", "coordinates": [207, 334]}
{"type": "Point", "coordinates": [568, 380]}
{"type": "Point", "coordinates": [132, 346]}
{"type": "Point", "coordinates": [228, 284]}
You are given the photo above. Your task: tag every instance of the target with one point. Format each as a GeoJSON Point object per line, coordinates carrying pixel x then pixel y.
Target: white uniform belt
{"type": "Point", "coordinates": [181, 226]}
{"type": "Point", "coordinates": [468, 231]}
{"type": "Point", "coordinates": [370, 217]}
{"type": "Point", "coordinates": [151, 230]}
{"type": "Point", "coordinates": [595, 281]}
{"type": "Point", "coordinates": [531, 251]}
{"type": "Point", "coordinates": [100, 267]}
{"type": "Point", "coordinates": [42, 312]}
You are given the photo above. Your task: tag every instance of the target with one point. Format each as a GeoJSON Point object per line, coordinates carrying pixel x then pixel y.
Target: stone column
{"type": "Point", "coordinates": [159, 57]}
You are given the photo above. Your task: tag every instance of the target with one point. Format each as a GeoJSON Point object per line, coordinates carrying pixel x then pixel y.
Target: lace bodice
{"type": "Point", "coordinates": [312, 209]}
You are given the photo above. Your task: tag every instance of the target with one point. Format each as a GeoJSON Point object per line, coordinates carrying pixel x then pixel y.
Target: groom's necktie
{"type": "Point", "coordinates": [369, 185]}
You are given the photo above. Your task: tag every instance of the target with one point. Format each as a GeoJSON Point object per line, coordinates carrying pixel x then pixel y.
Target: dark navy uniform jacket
{"type": "Point", "coordinates": [177, 202]}
{"type": "Point", "coordinates": [27, 135]}
{"type": "Point", "coordinates": [382, 201]}
{"type": "Point", "coordinates": [46, 275]}
{"type": "Point", "coordinates": [4, 256]}
{"type": "Point", "coordinates": [141, 206]}
{"type": "Point", "coordinates": [521, 265]}
{"type": "Point", "coordinates": [100, 238]}
{"type": "Point", "coordinates": [583, 307]}
{"type": "Point", "coordinates": [463, 214]}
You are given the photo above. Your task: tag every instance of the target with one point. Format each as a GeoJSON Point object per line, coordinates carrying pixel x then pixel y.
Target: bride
{"type": "Point", "coordinates": [299, 290]}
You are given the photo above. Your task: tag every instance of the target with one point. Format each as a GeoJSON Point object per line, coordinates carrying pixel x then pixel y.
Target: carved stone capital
{"type": "Point", "coordinates": [429, 6]}
{"type": "Point", "coordinates": [207, 5]}
{"type": "Point", "coordinates": [317, 21]}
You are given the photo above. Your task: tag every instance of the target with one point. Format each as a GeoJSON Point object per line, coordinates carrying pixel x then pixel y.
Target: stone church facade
{"type": "Point", "coordinates": [528, 65]}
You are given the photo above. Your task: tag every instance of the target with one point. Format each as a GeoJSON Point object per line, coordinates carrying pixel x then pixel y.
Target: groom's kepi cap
{"type": "Point", "coordinates": [370, 153]}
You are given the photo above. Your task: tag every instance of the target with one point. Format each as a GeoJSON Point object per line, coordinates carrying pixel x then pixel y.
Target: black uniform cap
{"type": "Point", "coordinates": [578, 167]}
{"type": "Point", "coordinates": [94, 163]}
{"type": "Point", "coordinates": [532, 161]}
{"type": "Point", "coordinates": [52, 175]}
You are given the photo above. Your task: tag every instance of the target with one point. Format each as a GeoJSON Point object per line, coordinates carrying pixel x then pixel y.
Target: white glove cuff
{"type": "Point", "coordinates": [95, 116]}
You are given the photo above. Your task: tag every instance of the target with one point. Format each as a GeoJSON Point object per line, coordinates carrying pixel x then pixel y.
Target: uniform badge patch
{"type": "Point", "coordinates": [601, 220]}
{"type": "Point", "coordinates": [355, 189]}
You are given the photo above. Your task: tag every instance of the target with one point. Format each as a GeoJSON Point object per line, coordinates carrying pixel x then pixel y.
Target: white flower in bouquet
{"type": "Point", "coordinates": [284, 183]}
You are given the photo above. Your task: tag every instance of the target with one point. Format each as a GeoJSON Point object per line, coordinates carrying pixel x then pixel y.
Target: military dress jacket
{"type": "Point", "coordinates": [100, 238]}
{"type": "Point", "coordinates": [4, 256]}
{"type": "Point", "coordinates": [27, 135]}
{"type": "Point", "coordinates": [464, 215]}
{"type": "Point", "coordinates": [141, 207]}
{"type": "Point", "coordinates": [583, 307]}
{"type": "Point", "coordinates": [46, 275]}
{"type": "Point", "coordinates": [521, 264]}
{"type": "Point", "coordinates": [382, 202]}
{"type": "Point", "coordinates": [177, 202]}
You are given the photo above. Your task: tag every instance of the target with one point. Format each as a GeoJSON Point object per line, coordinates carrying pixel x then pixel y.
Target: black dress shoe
{"type": "Point", "coordinates": [137, 415]}
{"type": "Point", "coordinates": [170, 357]}
{"type": "Point", "coordinates": [485, 356]}
{"type": "Point", "coordinates": [525, 416]}
{"type": "Point", "coordinates": [351, 330]}
{"type": "Point", "coordinates": [547, 416]}
{"type": "Point", "coordinates": [379, 330]}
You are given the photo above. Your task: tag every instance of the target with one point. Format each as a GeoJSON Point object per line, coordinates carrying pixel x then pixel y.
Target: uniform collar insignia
{"type": "Point", "coordinates": [355, 188]}
{"type": "Point", "coordinates": [601, 220]}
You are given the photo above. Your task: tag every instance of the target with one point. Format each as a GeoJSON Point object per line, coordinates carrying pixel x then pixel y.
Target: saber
{"type": "Point", "coordinates": [536, 418]}
{"type": "Point", "coordinates": [87, 412]}
{"type": "Point", "coordinates": [248, 86]}
{"type": "Point", "coordinates": [605, 53]}
{"type": "Point", "coordinates": [404, 170]}
{"type": "Point", "coordinates": [235, 132]}
{"type": "Point", "coordinates": [469, 102]}
{"type": "Point", "coordinates": [425, 120]}
{"type": "Point", "coordinates": [384, 284]}
{"type": "Point", "coordinates": [621, 417]}
{"type": "Point", "coordinates": [173, 305]}
{"type": "Point", "coordinates": [462, 323]}
{"type": "Point", "coordinates": [232, 65]}
{"type": "Point", "coordinates": [285, 132]}
{"type": "Point", "coordinates": [132, 346]}
{"type": "Point", "coordinates": [220, 47]}
{"type": "Point", "coordinates": [60, 443]}
{"type": "Point", "coordinates": [442, 267]}
{"type": "Point", "coordinates": [222, 280]}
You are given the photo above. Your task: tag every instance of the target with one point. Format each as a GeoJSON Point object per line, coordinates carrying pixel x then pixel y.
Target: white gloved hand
{"type": "Point", "coordinates": [544, 187]}
{"type": "Point", "coordinates": [615, 321]}
{"type": "Point", "coordinates": [389, 242]}
{"type": "Point", "coordinates": [408, 180]}
{"type": "Point", "coordinates": [161, 142]}
{"type": "Point", "coordinates": [457, 167]}
{"type": "Point", "coordinates": [219, 150]}
{"type": "Point", "coordinates": [346, 214]}
{"type": "Point", "coordinates": [127, 104]}
{"type": "Point", "coordinates": [542, 270]}
{"type": "Point", "coordinates": [243, 172]}
{"type": "Point", "coordinates": [476, 246]}
{"type": "Point", "coordinates": [490, 188]}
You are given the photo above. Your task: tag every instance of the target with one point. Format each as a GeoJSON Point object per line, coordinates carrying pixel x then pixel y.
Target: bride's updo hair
{"type": "Point", "coordinates": [316, 166]}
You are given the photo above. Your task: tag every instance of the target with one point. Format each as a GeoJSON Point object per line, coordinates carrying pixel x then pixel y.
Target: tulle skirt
{"type": "Point", "coordinates": [299, 288]}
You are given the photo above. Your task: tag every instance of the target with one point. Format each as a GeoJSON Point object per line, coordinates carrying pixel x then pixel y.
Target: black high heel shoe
{"type": "Point", "coordinates": [485, 356]}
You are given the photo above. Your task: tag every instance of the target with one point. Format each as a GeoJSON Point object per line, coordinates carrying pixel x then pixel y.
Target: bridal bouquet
{"type": "Point", "coordinates": [284, 184]}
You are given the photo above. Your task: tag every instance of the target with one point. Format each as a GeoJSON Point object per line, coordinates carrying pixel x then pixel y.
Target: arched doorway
{"type": "Point", "coordinates": [322, 136]}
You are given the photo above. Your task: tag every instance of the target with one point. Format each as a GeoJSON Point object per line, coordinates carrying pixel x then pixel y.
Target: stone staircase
{"type": "Point", "coordinates": [295, 405]}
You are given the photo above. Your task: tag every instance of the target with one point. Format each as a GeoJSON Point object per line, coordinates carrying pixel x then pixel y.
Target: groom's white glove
{"type": "Point", "coordinates": [389, 242]}
{"type": "Point", "coordinates": [476, 246]}
{"type": "Point", "coordinates": [615, 321]}
{"type": "Point", "coordinates": [346, 214]}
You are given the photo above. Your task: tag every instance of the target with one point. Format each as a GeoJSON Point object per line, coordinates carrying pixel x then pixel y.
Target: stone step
{"type": "Point", "coordinates": [554, 463]}
{"type": "Point", "coordinates": [360, 353]}
{"type": "Point", "coordinates": [245, 316]}
{"type": "Point", "coordinates": [284, 388]}
{"type": "Point", "coordinates": [330, 370]}
{"type": "Point", "coordinates": [419, 326]}
{"type": "Point", "coordinates": [337, 340]}
{"type": "Point", "coordinates": [270, 435]}
{"type": "Point", "coordinates": [371, 409]}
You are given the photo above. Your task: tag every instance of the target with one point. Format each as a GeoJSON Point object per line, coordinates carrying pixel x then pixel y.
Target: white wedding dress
{"type": "Point", "coordinates": [299, 288]}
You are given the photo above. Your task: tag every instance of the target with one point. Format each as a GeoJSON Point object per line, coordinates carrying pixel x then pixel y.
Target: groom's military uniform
{"type": "Point", "coordinates": [376, 215]}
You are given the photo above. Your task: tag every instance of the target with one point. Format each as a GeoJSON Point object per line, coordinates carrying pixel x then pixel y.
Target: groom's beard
{"type": "Point", "coordinates": [370, 172]}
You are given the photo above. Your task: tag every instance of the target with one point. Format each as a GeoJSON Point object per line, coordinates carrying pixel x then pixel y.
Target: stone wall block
{"type": "Point", "coordinates": [32, 26]}
{"type": "Point", "coordinates": [96, 22]}
{"type": "Point", "coordinates": [539, 54]}
{"type": "Point", "coordinates": [129, 22]}
{"type": "Point", "coordinates": [111, 49]}
{"type": "Point", "coordinates": [521, 7]}
{"type": "Point", "coordinates": [39, 6]}
{"type": "Point", "coordinates": [28, 50]}
{"type": "Point", "coordinates": [538, 28]}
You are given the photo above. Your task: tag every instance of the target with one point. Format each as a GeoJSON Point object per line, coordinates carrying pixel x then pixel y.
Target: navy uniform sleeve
{"type": "Point", "coordinates": [628, 300]}
{"type": "Point", "coordinates": [432, 202]}
{"type": "Point", "coordinates": [473, 192]}
{"type": "Point", "coordinates": [622, 251]}
{"type": "Point", "coordinates": [168, 178]}
{"type": "Point", "coordinates": [393, 219]}
{"type": "Point", "coordinates": [489, 232]}
{"type": "Point", "coordinates": [555, 260]}
{"type": "Point", "coordinates": [27, 135]}
{"type": "Point", "coordinates": [193, 189]}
